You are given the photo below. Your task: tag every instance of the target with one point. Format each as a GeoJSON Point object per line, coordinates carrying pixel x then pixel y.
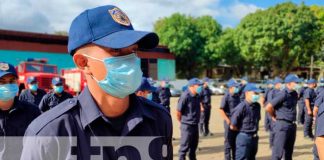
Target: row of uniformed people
{"type": "Point", "coordinates": [45, 101]}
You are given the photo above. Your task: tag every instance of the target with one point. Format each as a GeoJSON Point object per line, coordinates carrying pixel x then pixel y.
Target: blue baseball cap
{"type": "Point", "coordinates": [57, 81]}
{"type": "Point", "coordinates": [194, 81]}
{"type": "Point", "coordinates": [107, 26]}
{"type": "Point", "coordinates": [322, 80]}
{"type": "Point", "coordinates": [6, 68]}
{"type": "Point", "coordinates": [292, 78]}
{"type": "Point", "coordinates": [206, 79]}
{"type": "Point", "coordinates": [277, 80]}
{"type": "Point", "coordinates": [145, 85]}
{"type": "Point", "coordinates": [311, 81]}
{"type": "Point", "coordinates": [252, 87]}
{"type": "Point", "coordinates": [269, 81]}
{"type": "Point", "coordinates": [232, 83]}
{"type": "Point", "coordinates": [31, 80]}
{"type": "Point", "coordinates": [245, 78]}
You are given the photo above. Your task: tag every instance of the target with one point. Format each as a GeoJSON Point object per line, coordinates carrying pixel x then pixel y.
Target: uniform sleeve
{"type": "Point", "coordinates": [319, 100]}
{"type": "Point", "coordinates": [43, 107]}
{"type": "Point", "coordinates": [278, 100]}
{"type": "Point", "coordinates": [224, 102]}
{"type": "Point", "coordinates": [182, 103]}
{"type": "Point", "coordinates": [307, 94]}
{"type": "Point", "coordinates": [320, 122]}
{"type": "Point", "coordinates": [236, 117]}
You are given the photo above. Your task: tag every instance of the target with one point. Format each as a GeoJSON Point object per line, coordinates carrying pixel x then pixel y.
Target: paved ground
{"type": "Point", "coordinates": [212, 147]}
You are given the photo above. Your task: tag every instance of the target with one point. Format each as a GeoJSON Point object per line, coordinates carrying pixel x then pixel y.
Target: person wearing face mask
{"type": "Point", "coordinates": [277, 82]}
{"type": "Point", "coordinates": [267, 119]}
{"type": "Point", "coordinates": [301, 105]}
{"type": "Point", "coordinates": [188, 114]}
{"type": "Point", "coordinates": [145, 89]}
{"type": "Point", "coordinates": [230, 100]}
{"type": "Point", "coordinates": [282, 109]}
{"type": "Point", "coordinates": [33, 94]}
{"type": "Point", "coordinates": [15, 115]}
{"type": "Point", "coordinates": [103, 44]}
{"type": "Point", "coordinates": [165, 94]}
{"type": "Point", "coordinates": [245, 119]}
{"type": "Point", "coordinates": [309, 98]}
{"type": "Point", "coordinates": [205, 108]}
{"type": "Point", "coordinates": [55, 97]}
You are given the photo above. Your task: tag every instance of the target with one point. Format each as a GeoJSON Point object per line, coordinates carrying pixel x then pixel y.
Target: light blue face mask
{"type": "Point", "coordinates": [199, 89]}
{"type": "Point", "coordinates": [236, 90]}
{"type": "Point", "coordinates": [149, 96]}
{"type": "Point", "coordinates": [58, 89]}
{"type": "Point", "coordinates": [297, 87]}
{"type": "Point", "coordinates": [255, 98]}
{"type": "Point", "coordinates": [8, 91]}
{"type": "Point", "coordinates": [33, 87]}
{"type": "Point", "coordinates": [124, 75]}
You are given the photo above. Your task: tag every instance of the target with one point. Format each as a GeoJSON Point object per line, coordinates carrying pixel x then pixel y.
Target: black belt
{"type": "Point", "coordinates": [292, 122]}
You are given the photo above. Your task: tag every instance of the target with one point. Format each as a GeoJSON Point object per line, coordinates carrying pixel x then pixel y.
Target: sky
{"type": "Point", "coordinates": [49, 16]}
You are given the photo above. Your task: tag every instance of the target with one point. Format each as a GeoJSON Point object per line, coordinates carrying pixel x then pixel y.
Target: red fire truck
{"type": "Point", "coordinates": [74, 79]}
{"type": "Point", "coordinates": [37, 68]}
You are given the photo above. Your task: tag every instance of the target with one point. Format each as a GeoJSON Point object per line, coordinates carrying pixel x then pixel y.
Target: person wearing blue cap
{"type": "Point", "coordinates": [103, 44]}
{"type": "Point", "coordinates": [15, 115]}
{"type": "Point", "coordinates": [309, 98]}
{"type": "Point", "coordinates": [33, 94]}
{"type": "Point", "coordinates": [282, 109]}
{"type": "Point", "coordinates": [301, 105]}
{"type": "Point", "coordinates": [277, 82]}
{"type": "Point", "coordinates": [188, 114]}
{"type": "Point", "coordinates": [206, 108]}
{"type": "Point", "coordinates": [55, 97]}
{"type": "Point", "coordinates": [165, 94]}
{"type": "Point", "coordinates": [244, 81]}
{"type": "Point", "coordinates": [145, 89]}
{"type": "Point", "coordinates": [230, 100]}
{"type": "Point", "coordinates": [267, 119]}
{"type": "Point", "coordinates": [245, 119]}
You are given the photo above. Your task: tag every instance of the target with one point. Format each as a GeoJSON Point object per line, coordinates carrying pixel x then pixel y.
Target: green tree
{"type": "Point", "coordinates": [279, 38]}
{"type": "Point", "coordinates": [189, 39]}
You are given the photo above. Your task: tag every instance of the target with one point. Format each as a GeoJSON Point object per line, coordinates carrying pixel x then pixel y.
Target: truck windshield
{"type": "Point", "coordinates": [40, 68]}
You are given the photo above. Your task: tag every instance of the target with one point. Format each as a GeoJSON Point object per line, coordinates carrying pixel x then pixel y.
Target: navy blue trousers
{"type": "Point", "coordinates": [246, 146]}
{"type": "Point", "coordinates": [229, 143]}
{"type": "Point", "coordinates": [189, 141]}
{"type": "Point", "coordinates": [204, 122]}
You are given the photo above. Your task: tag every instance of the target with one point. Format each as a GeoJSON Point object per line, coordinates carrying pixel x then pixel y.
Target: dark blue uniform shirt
{"type": "Point", "coordinates": [80, 117]}
{"type": "Point", "coordinates": [319, 99]}
{"type": "Point", "coordinates": [301, 94]}
{"type": "Point", "coordinates": [285, 105]}
{"type": "Point", "coordinates": [28, 96]}
{"type": "Point", "coordinates": [310, 94]}
{"type": "Point", "coordinates": [319, 129]}
{"type": "Point", "coordinates": [272, 94]}
{"type": "Point", "coordinates": [246, 117]}
{"type": "Point", "coordinates": [242, 94]}
{"type": "Point", "coordinates": [266, 95]}
{"type": "Point", "coordinates": [229, 102]}
{"type": "Point", "coordinates": [189, 106]}
{"type": "Point", "coordinates": [155, 96]}
{"type": "Point", "coordinates": [165, 95]}
{"type": "Point", "coordinates": [319, 90]}
{"type": "Point", "coordinates": [206, 96]}
{"type": "Point", "coordinates": [51, 100]}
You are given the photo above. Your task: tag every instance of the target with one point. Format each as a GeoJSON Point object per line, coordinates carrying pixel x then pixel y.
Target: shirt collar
{"type": "Point", "coordinates": [90, 111]}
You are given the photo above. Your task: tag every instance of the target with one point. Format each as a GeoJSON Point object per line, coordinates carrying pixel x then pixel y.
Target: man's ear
{"type": "Point", "coordinates": [81, 62]}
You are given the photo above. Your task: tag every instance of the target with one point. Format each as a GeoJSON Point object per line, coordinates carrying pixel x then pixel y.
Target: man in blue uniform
{"type": "Point", "coordinates": [188, 114]}
{"type": "Point", "coordinates": [319, 132]}
{"type": "Point", "coordinates": [309, 98]}
{"type": "Point", "coordinates": [145, 89]}
{"type": "Point", "coordinates": [301, 105]}
{"type": "Point", "coordinates": [277, 82]}
{"type": "Point", "coordinates": [55, 97]}
{"type": "Point", "coordinates": [283, 111]}
{"type": "Point", "coordinates": [245, 119]}
{"type": "Point", "coordinates": [230, 100]}
{"type": "Point", "coordinates": [15, 115]}
{"type": "Point", "coordinates": [267, 118]}
{"type": "Point", "coordinates": [318, 102]}
{"type": "Point", "coordinates": [165, 94]}
{"type": "Point", "coordinates": [103, 44]}
{"type": "Point", "coordinates": [244, 81]}
{"type": "Point", "coordinates": [205, 108]}
{"type": "Point", "coordinates": [33, 94]}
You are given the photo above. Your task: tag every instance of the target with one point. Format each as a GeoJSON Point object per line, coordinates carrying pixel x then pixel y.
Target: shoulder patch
{"type": "Point", "coordinates": [40, 122]}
